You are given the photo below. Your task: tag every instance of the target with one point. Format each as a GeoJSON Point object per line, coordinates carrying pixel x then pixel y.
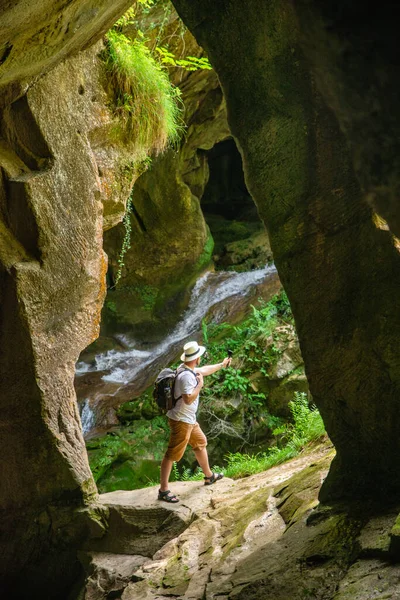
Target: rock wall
{"type": "Point", "coordinates": [337, 264]}
{"type": "Point", "coordinates": [354, 55]}
{"type": "Point", "coordinates": [36, 36]}
{"type": "Point", "coordinates": [58, 174]}
{"type": "Point", "coordinates": [170, 241]}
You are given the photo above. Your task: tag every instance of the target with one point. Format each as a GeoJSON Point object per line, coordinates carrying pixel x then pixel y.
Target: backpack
{"type": "Point", "coordinates": [164, 386]}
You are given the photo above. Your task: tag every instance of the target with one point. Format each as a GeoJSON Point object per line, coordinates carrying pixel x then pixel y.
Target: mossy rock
{"type": "Point", "coordinates": [148, 310]}
{"type": "Point", "coordinates": [115, 458]}
{"type": "Point", "coordinates": [236, 520]}
{"type": "Point", "coordinates": [130, 475]}
{"type": "Point", "coordinates": [143, 407]}
{"type": "Point", "coordinates": [247, 254]}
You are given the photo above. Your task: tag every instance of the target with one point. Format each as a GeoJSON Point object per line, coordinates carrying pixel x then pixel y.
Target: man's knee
{"type": "Point", "coordinates": [198, 440]}
{"type": "Point", "coordinates": [175, 454]}
{"type": "Point", "coordinates": [199, 447]}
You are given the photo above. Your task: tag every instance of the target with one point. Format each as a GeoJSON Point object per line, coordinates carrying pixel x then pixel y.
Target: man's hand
{"type": "Point", "coordinates": [200, 380]}
{"type": "Point", "coordinates": [226, 362]}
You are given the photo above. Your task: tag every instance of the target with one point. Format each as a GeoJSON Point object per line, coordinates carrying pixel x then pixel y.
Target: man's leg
{"type": "Point", "coordinates": [166, 467]}
{"type": "Point", "coordinates": [178, 440]}
{"type": "Point", "coordinates": [198, 441]}
{"type": "Point", "coordinates": [202, 459]}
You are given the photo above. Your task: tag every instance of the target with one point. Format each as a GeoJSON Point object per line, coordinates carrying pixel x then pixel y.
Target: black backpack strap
{"type": "Point", "coordinates": [190, 370]}
{"type": "Point", "coordinates": [179, 371]}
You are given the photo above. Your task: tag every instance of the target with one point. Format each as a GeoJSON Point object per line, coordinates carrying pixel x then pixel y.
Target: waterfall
{"type": "Point", "coordinates": [87, 417]}
{"type": "Point", "coordinates": [124, 374]}
{"type": "Point", "coordinates": [210, 289]}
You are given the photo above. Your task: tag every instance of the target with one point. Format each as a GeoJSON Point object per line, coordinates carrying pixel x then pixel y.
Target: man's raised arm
{"type": "Point", "coordinates": [210, 369]}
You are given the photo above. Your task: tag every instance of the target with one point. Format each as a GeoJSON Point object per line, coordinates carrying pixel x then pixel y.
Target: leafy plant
{"type": "Point", "coordinates": [307, 423]}
{"type": "Point", "coordinates": [189, 63]}
{"type": "Point", "coordinates": [204, 330]}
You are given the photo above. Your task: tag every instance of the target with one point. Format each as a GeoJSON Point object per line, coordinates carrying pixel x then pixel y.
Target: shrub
{"type": "Point", "coordinates": [307, 423]}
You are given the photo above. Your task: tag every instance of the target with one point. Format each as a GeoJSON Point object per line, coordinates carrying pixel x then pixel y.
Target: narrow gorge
{"type": "Point", "coordinates": [243, 191]}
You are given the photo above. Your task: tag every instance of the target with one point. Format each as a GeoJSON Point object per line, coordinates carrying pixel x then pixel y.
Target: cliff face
{"type": "Point", "coordinates": [338, 264]}
{"type": "Point", "coordinates": [170, 243]}
{"type": "Point", "coordinates": [58, 172]}
{"type": "Point", "coordinates": [36, 36]}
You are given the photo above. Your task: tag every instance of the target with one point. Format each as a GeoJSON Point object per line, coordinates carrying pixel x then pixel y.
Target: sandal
{"type": "Point", "coordinates": [213, 478]}
{"type": "Point", "coordinates": [167, 496]}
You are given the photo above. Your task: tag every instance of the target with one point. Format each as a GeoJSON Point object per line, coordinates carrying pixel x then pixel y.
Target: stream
{"type": "Point", "coordinates": [117, 376]}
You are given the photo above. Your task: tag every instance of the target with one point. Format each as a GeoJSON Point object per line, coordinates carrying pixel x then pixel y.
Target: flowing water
{"type": "Point", "coordinates": [121, 375]}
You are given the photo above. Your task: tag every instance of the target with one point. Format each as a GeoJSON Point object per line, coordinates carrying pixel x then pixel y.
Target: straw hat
{"type": "Point", "coordinates": [192, 350]}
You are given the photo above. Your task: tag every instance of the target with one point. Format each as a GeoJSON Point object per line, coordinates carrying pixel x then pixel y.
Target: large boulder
{"type": "Point", "coordinates": [263, 537]}
{"type": "Point", "coordinates": [338, 264]}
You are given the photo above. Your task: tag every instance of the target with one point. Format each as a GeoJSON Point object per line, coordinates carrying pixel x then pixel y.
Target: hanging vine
{"type": "Point", "coordinates": [126, 244]}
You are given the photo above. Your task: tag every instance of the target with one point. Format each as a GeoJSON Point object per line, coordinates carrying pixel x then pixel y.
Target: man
{"type": "Point", "coordinates": [182, 418]}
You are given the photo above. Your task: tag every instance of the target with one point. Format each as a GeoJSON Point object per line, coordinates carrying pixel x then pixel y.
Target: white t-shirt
{"type": "Point", "coordinates": [184, 384]}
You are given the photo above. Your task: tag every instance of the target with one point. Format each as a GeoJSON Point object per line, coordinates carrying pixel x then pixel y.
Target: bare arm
{"type": "Point", "coordinates": [190, 398]}
{"type": "Point", "coordinates": [210, 369]}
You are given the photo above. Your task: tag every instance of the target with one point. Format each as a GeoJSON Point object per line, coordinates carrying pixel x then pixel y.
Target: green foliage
{"type": "Point", "coordinates": [128, 18]}
{"type": "Point", "coordinates": [142, 97]}
{"type": "Point", "coordinates": [204, 331]}
{"type": "Point", "coordinates": [161, 51]}
{"type": "Point", "coordinates": [256, 346]}
{"type": "Point", "coordinates": [127, 446]}
{"type": "Point", "coordinates": [257, 343]}
{"type": "Point", "coordinates": [307, 423]}
{"type": "Point", "coordinates": [233, 381]}
{"type": "Point", "coordinates": [189, 63]}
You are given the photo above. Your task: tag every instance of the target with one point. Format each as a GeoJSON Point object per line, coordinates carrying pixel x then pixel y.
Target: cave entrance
{"type": "Point", "coordinates": [240, 237]}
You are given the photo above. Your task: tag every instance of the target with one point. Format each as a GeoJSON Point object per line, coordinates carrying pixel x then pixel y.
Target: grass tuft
{"type": "Point", "coordinates": [144, 100]}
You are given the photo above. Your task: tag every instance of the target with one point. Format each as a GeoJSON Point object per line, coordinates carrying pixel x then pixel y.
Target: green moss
{"type": "Point", "coordinates": [146, 293]}
{"type": "Point", "coordinates": [338, 539]}
{"type": "Point", "coordinates": [89, 490]}
{"type": "Point", "coordinates": [225, 231]}
{"type": "Point", "coordinates": [130, 475]}
{"type": "Point", "coordinates": [248, 509]}
{"type": "Point", "coordinates": [396, 527]}
{"type": "Point", "coordinates": [143, 407]}
{"type": "Point", "coordinates": [205, 257]}
{"type": "Point", "coordinates": [128, 458]}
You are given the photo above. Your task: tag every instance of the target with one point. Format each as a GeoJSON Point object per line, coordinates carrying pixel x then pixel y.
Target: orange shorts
{"type": "Point", "coordinates": [181, 435]}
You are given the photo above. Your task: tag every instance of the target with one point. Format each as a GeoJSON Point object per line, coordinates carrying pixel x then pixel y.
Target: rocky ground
{"type": "Point", "coordinates": [262, 537]}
